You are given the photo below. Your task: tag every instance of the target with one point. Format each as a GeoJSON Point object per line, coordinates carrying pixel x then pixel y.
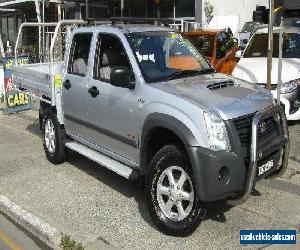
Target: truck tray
{"type": "Point", "coordinates": [35, 78]}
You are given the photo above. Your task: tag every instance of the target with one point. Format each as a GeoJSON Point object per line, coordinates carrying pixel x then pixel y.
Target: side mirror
{"type": "Point", "coordinates": [245, 41]}
{"type": "Point", "coordinates": [120, 77]}
{"type": "Point", "coordinates": [239, 54]}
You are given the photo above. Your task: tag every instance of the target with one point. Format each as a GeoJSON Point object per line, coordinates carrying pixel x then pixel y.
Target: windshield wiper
{"type": "Point", "coordinates": [206, 71]}
{"type": "Point", "coordinates": [183, 73]}
{"type": "Point", "coordinates": [186, 73]}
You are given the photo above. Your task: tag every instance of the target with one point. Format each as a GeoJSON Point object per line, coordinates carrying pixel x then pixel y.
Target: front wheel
{"type": "Point", "coordinates": [53, 138]}
{"type": "Point", "coordinates": [170, 190]}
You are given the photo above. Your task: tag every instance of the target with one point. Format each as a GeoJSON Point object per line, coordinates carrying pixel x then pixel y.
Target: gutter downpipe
{"type": "Point", "coordinates": [39, 19]}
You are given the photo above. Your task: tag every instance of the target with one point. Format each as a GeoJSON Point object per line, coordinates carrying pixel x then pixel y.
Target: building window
{"type": "Point", "coordinates": [4, 32]}
{"type": "Point", "coordinates": [11, 24]}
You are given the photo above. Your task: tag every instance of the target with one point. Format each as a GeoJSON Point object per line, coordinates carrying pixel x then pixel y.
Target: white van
{"type": "Point", "coordinates": [252, 66]}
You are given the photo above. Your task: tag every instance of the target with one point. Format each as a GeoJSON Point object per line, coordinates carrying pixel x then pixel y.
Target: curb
{"type": "Point", "coordinates": [40, 229]}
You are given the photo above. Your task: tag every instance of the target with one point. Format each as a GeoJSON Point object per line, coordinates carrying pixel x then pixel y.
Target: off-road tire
{"type": "Point", "coordinates": [58, 156]}
{"type": "Point", "coordinates": [166, 157]}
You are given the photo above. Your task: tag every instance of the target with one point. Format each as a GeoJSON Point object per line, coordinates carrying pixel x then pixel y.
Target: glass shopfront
{"type": "Point", "coordinates": [136, 8]}
{"type": "Point", "coordinates": [9, 26]}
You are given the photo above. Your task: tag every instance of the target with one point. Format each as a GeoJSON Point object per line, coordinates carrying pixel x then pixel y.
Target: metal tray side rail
{"type": "Point", "coordinates": [252, 171]}
{"type": "Point", "coordinates": [34, 77]}
{"type": "Point", "coordinates": [51, 70]}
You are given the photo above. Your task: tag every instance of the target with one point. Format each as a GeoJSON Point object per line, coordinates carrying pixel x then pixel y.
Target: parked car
{"type": "Point", "coordinates": [185, 134]}
{"type": "Point", "coordinates": [292, 22]}
{"type": "Point", "coordinates": [218, 46]}
{"type": "Point", "coordinates": [246, 33]}
{"type": "Point", "coordinates": [252, 66]}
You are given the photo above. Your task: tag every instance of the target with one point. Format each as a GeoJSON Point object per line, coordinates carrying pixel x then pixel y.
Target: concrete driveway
{"type": "Point", "coordinates": [98, 207]}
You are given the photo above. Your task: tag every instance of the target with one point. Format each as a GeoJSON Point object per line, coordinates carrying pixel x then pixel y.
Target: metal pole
{"type": "Point", "coordinates": [43, 29]}
{"type": "Point", "coordinates": [38, 13]}
{"type": "Point", "coordinates": [2, 47]}
{"type": "Point", "coordinates": [199, 12]}
{"type": "Point", "coordinates": [59, 11]}
{"type": "Point", "coordinates": [174, 9]}
{"type": "Point", "coordinates": [87, 14]}
{"type": "Point", "coordinates": [279, 83]}
{"type": "Point", "coordinates": [270, 46]}
{"type": "Point", "coordinates": [122, 8]}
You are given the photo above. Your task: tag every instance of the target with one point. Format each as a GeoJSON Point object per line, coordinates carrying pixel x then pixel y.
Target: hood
{"type": "Point", "coordinates": [255, 69]}
{"type": "Point", "coordinates": [227, 96]}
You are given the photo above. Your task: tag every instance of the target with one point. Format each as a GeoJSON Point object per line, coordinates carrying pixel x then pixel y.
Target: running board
{"type": "Point", "coordinates": [103, 160]}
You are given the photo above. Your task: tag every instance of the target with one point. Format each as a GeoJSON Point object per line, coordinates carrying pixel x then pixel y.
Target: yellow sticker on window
{"type": "Point", "coordinates": [57, 81]}
{"type": "Point", "coordinates": [173, 35]}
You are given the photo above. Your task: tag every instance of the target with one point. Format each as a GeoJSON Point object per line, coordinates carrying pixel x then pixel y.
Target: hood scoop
{"type": "Point", "coordinates": [220, 85]}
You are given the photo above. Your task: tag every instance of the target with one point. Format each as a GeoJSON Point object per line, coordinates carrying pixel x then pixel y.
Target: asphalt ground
{"type": "Point", "coordinates": [294, 129]}
{"type": "Point", "coordinates": [99, 208]}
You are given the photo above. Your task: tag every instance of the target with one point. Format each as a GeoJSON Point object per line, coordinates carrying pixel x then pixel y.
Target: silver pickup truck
{"type": "Point", "coordinates": [142, 101]}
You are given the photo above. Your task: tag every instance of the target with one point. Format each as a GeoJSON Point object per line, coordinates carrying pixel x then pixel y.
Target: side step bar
{"type": "Point", "coordinates": [103, 160]}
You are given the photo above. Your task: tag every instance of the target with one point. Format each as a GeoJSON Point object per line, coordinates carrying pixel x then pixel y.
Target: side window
{"type": "Point", "coordinates": [224, 43]}
{"type": "Point", "coordinates": [79, 54]}
{"type": "Point", "coordinates": [110, 53]}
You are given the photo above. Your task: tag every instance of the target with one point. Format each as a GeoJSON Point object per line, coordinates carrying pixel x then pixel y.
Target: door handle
{"type": "Point", "coordinates": [93, 91]}
{"type": "Point", "coordinates": [67, 84]}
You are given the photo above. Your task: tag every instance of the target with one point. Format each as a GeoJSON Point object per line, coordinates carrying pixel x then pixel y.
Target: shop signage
{"type": "Point", "coordinates": [16, 101]}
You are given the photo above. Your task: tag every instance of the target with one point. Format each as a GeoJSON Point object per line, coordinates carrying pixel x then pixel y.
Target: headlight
{"type": "Point", "coordinates": [216, 132]}
{"type": "Point", "coordinates": [289, 86]}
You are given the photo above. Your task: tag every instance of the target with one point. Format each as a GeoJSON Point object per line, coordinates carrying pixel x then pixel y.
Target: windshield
{"type": "Point", "coordinates": [166, 55]}
{"type": "Point", "coordinates": [258, 46]}
{"type": "Point", "coordinates": [205, 43]}
{"type": "Point", "coordinates": [248, 27]}
{"type": "Point", "coordinates": [292, 23]}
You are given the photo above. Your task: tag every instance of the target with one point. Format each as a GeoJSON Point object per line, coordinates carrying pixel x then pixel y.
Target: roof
{"type": "Point", "coordinates": [277, 30]}
{"type": "Point", "coordinates": [203, 31]}
{"type": "Point", "coordinates": [128, 28]}
{"type": "Point", "coordinates": [132, 28]}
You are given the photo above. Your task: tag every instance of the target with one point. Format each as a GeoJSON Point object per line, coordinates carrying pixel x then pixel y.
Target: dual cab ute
{"type": "Point", "coordinates": [190, 136]}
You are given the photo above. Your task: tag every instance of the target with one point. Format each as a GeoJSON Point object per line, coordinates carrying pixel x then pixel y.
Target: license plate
{"type": "Point", "coordinates": [265, 168]}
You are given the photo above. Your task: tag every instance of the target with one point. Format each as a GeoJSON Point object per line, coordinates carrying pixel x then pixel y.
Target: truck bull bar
{"type": "Point", "coordinates": [252, 171]}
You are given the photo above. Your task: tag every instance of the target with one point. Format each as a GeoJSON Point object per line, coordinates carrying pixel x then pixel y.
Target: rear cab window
{"type": "Point", "coordinates": [205, 43]}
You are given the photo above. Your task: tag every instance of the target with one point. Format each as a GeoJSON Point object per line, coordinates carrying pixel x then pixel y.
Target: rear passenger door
{"type": "Point", "coordinates": [74, 90]}
{"type": "Point", "coordinates": [113, 113]}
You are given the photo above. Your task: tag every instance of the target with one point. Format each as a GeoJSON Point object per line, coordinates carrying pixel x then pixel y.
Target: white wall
{"type": "Point", "coordinates": [243, 8]}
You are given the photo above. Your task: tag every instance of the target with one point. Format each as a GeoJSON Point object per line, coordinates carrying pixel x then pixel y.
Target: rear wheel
{"type": "Point", "coordinates": [170, 190]}
{"type": "Point", "coordinates": [53, 138]}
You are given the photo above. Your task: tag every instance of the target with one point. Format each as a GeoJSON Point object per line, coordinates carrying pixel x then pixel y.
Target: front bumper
{"type": "Point", "coordinates": [220, 175]}
{"type": "Point", "coordinates": [207, 165]}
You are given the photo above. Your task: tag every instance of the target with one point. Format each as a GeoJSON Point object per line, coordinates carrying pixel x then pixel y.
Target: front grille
{"type": "Point", "coordinates": [266, 129]}
{"type": "Point", "coordinates": [293, 109]}
{"type": "Point", "coordinates": [243, 127]}
{"type": "Point", "coordinates": [220, 85]}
